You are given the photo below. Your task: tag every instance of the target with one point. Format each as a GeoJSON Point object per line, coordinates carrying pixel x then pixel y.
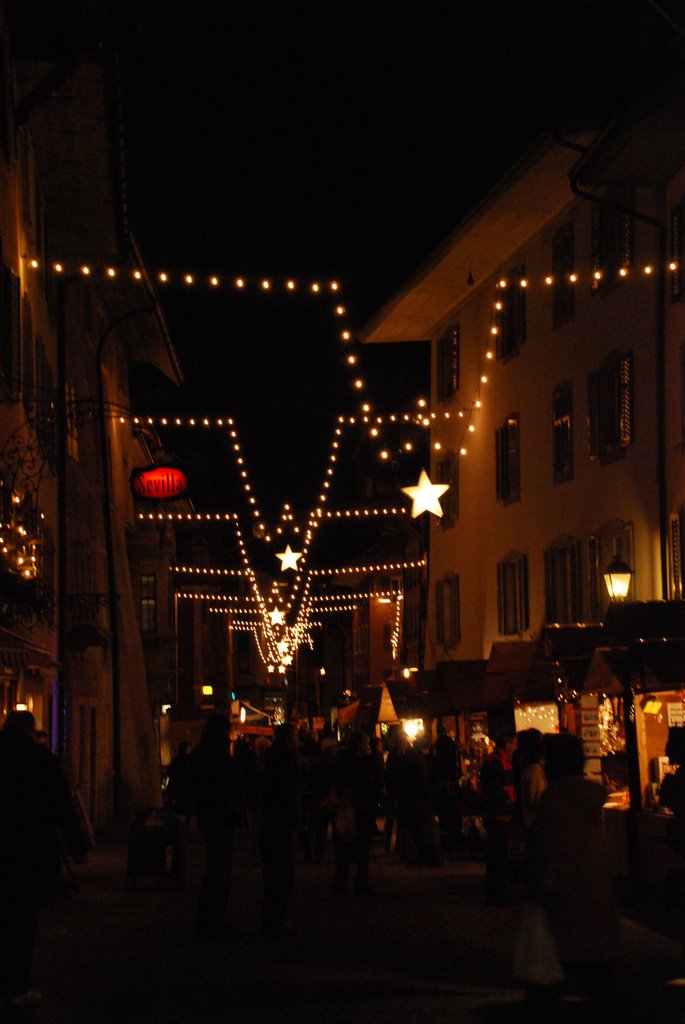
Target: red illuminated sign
{"type": "Point", "coordinates": [159, 483]}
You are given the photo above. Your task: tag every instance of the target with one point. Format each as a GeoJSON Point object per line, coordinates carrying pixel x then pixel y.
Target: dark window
{"type": "Point", "coordinates": [512, 595]}
{"type": "Point", "coordinates": [678, 252]}
{"type": "Point", "coordinates": [562, 432]}
{"type": "Point", "coordinates": [448, 473]}
{"type": "Point", "coordinates": [610, 406]}
{"type": "Point", "coordinates": [612, 240]}
{"type": "Point", "coordinates": [448, 363]}
{"type": "Point", "coordinates": [682, 396]}
{"type": "Point", "coordinates": [148, 603]}
{"type": "Point", "coordinates": [507, 456]}
{"type": "Point", "coordinates": [10, 337]}
{"type": "Point", "coordinates": [563, 265]}
{"type": "Point", "coordinates": [447, 612]}
{"type": "Point", "coordinates": [562, 582]}
{"type": "Point", "coordinates": [510, 319]}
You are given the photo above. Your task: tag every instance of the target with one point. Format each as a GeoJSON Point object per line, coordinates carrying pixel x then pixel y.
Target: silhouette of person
{"type": "Point", "coordinates": [354, 781]}
{"type": "Point", "coordinates": [36, 809]}
{"type": "Point", "coordinates": [498, 795]}
{"type": "Point", "coordinates": [575, 880]}
{"type": "Point", "coordinates": [215, 798]}
{"type": "Point", "coordinates": [280, 815]}
{"type": "Point", "coordinates": [179, 785]}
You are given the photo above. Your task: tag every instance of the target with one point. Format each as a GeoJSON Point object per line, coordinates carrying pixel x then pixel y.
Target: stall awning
{"type": "Point", "coordinates": [348, 715]}
{"type": "Point", "coordinates": [16, 653]}
{"type": "Point", "coordinates": [609, 671]}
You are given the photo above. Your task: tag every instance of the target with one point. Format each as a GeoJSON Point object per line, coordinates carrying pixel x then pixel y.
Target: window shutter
{"type": "Point", "coordinates": [593, 414]}
{"type": "Point", "coordinates": [499, 464]}
{"type": "Point", "coordinates": [677, 252]}
{"type": "Point", "coordinates": [524, 611]}
{"type": "Point", "coordinates": [500, 598]}
{"type": "Point", "coordinates": [676, 565]}
{"type": "Point", "coordinates": [514, 457]}
{"type": "Point", "coordinates": [439, 615]}
{"type": "Point", "coordinates": [550, 610]}
{"type": "Point", "coordinates": [455, 626]}
{"type": "Point", "coordinates": [624, 372]}
{"type": "Point", "coordinates": [595, 245]}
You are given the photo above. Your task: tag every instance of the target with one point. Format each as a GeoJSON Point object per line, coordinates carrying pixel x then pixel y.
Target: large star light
{"type": "Point", "coordinates": [277, 617]}
{"type": "Point", "coordinates": [425, 496]}
{"type": "Point", "coordinates": [288, 558]}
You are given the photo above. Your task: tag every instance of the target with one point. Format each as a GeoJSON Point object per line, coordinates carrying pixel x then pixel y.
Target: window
{"type": "Point", "coordinates": [448, 473]}
{"type": "Point", "coordinates": [507, 456]}
{"type": "Point", "coordinates": [612, 239]}
{"type": "Point", "coordinates": [10, 338]}
{"type": "Point", "coordinates": [148, 603]}
{"type": "Point", "coordinates": [678, 252]}
{"type": "Point", "coordinates": [610, 406]}
{"type": "Point", "coordinates": [28, 358]}
{"type": "Point", "coordinates": [448, 364]}
{"type": "Point", "coordinates": [72, 423]}
{"type": "Point", "coordinates": [447, 612]}
{"type": "Point", "coordinates": [512, 595]}
{"type": "Point", "coordinates": [562, 432]}
{"type": "Point", "coordinates": [562, 582]}
{"type": "Point", "coordinates": [511, 314]}
{"type": "Point", "coordinates": [682, 396]}
{"type": "Point", "coordinates": [563, 265]}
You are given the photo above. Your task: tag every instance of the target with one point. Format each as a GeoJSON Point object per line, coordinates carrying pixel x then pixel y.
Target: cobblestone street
{"type": "Point", "coordinates": [425, 947]}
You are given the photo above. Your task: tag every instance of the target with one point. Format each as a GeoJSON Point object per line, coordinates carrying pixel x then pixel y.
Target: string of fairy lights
{"type": "Point", "coordinates": [278, 639]}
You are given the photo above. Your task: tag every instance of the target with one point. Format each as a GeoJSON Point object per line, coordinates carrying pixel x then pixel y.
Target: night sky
{"type": "Point", "coordinates": [340, 140]}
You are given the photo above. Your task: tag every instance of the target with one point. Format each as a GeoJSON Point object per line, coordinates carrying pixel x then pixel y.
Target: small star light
{"type": "Point", "coordinates": [425, 496]}
{"type": "Point", "coordinates": [277, 617]}
{"type": "Point", "coordinates": [288, 558]}
{"type": "Point", "coordinates": [288, 659]}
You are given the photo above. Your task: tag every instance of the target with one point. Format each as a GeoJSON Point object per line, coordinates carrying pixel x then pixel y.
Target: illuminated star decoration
{"type": "Point", "coordinates": [288, 558]}
{"type": "Point", "coordinates": [425, 496]}
{"type": "Point", "coordinates": [277, 617]}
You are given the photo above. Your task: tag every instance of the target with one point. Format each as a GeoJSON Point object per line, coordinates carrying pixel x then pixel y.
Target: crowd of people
{"type": "Point", "coordinates": [540, 822]}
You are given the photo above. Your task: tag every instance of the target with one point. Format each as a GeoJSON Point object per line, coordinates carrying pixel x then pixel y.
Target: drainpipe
{"type": "Point", "coordinates": [112, 593]}
{"type": "Point", "coordinates": [660, 229]}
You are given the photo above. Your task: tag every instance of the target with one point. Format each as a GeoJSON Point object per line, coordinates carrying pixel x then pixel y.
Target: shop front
{"type": "Point", "coordinates": [633, 695]}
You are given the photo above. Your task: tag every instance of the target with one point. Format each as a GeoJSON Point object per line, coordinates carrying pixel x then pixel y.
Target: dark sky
{"type": "Point", "coordinates": [340, 140]}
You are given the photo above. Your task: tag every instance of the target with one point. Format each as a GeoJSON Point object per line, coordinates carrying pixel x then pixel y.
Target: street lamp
{"type": "Point", "coordinates": [617, 576]}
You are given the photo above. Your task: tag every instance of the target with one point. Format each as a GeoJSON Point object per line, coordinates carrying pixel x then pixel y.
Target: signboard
{"type": "Point", "coordinates": [159, 483]}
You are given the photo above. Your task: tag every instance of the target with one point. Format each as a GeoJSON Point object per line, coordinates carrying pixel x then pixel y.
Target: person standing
{"type": "Point", "coordinates": [498, 795]}
{"type": "Point", "coordinates": [216, 803]}
{"type": "Point", "coordinates": [355, 786]}
{"type": "Point", "coordinates": [37, 812]}
{"type": "Point", "coordinates": [574, 876]}
{"type": "Point", "coordinates": [179, 789]}
{"type": "Point", "coordinates": [280, 817]}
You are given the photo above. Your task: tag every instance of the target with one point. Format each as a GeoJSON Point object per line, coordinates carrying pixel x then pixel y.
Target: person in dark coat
{"type": "Point", "coordinates": [355, 785]}
{"type": "Point", "coordinates": [39, 816]}
{"type": "Point", "coordinates": [575, 879]}
{"type": "Point", "coordinates": [498, 794]}
{"type": "Point", "coordinates": [216, 801]}
{"type": "Point", "coordinates": [280, 817]}
{"type": "Point", "coordinates": [179, 783]}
